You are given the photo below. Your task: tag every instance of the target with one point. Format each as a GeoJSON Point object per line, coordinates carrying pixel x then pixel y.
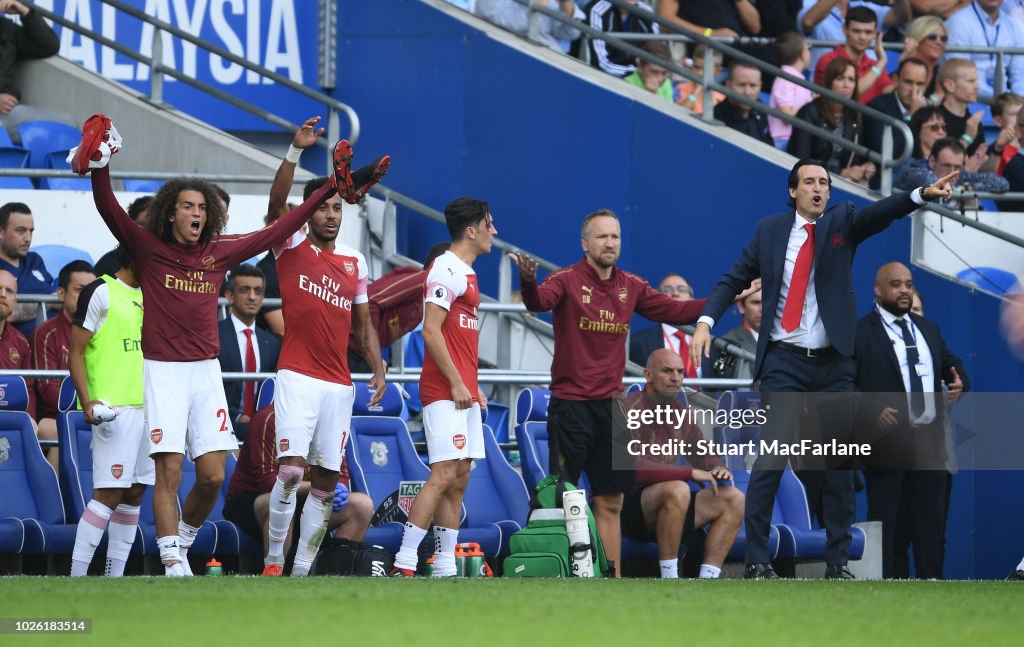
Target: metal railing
{"type": "Point", "coordinates": [158, 71]}
{"type": "Point", "coordinates": [885, 160]}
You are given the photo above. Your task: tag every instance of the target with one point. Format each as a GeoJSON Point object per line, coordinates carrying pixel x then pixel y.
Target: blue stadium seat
{"type": "Point", "coordinates": [143, 186]}
{"type": "Point", "coordinates": [392, 404]}
{"type": "Point", "coordinates": [266, 394]}
{"type": "Point", "coordinates": [532, 438]}
{"type": "Point", "coordinates": [990, 279]}
{"type": "Point", "coordinates": [5, 138]}
{"type": "Point", "coordinates": [232, 540]}
{"type": "Point", "coordinates": [56, 257]}
{"type": "Point", "coordinates": [532, 405]}
{"type": "Point", "coordinates": [67, 398]}
{"type": "Point", "coordinates": [28, 483]}
{"type": "Point", "coordinates": [206, 542]}
{"type": "Point", "coordinates": [497, 501]}
{"type": "Point", "coordinates": [13, 157]}
{"type": "Point", "coordinates": [380, 456]}
{"type": "Point", "coordinates": [16, 183]}
{"type": "Point", "coordinates": [58, 160]}
{"type": "Point", "coordinates": [44, 137]}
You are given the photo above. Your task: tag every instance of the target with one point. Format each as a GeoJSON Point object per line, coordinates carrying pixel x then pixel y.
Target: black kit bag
{"type": "Point", "coordinates": [345, 557]}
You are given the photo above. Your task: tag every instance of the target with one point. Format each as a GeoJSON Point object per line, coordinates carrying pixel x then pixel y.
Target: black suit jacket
{"type": "Point", "coordinates": [880, 380]}
{"type": "Point", "coordinates": [888, 104]}
{"type": "Point", "coordinates": [838, 233]}
{"type": "Point", "coordinates": [645, 342]}
{"type": "Point", "coordinates": [231, 360]}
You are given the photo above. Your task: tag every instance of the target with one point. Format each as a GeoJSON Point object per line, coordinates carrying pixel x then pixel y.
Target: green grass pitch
{"type": "Point", "coordinates": [251, 611]}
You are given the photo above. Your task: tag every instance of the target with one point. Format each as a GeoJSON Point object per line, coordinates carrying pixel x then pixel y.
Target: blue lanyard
{"type": "Point", "coordinates": [984, 30]}
{"type": "Point", "coordinates": [896, 330]}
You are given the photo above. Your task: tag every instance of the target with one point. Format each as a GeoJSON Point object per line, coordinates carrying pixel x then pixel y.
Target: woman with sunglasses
{"type": "Point", "coordinates": [926, 39]}
{"type": "Point", "coordinates": [928, 126]}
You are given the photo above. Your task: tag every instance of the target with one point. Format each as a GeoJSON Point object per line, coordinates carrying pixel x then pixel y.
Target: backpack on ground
{"type": "Point", "coordinates": [543, 549]}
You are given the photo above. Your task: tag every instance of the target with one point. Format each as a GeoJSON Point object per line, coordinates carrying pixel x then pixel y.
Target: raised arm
{"type": "Point", "coordinates": [537, 298]}
{"type": "Point", "coordinates": [35, 39]}
{"type": "Point", "coordinates": [664, 309]}
{"type": "Point", "coordinates": [118, 222]}
{"type": "Point", "coordinates": [244, 246]}
{"type": "Point", "coordinates": [877, 216]}
{"type": "Point", "coordinates": [816, 14]}
{"type": "Point", "coordinates": [305, 137]}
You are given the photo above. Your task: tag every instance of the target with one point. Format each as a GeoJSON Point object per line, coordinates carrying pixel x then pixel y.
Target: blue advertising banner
{"type": "Point", "coordinates": [278, 34]}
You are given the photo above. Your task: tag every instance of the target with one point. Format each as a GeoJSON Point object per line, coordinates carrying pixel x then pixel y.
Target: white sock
{"type": "Point", "coordinates": [120, 537]}
{"type": "Point", "coordinates": [312, 528]}
{"type": "Point", "coordinates": [669, 569]}
{"type": "Point", "coordinates": [282, 510]}
{"type": "Point", "coordinates": [186, 535]}
{"type": "Point", "coordinates": [90, 531]}
{"type": "Point", "coordinates": [1020, 567]}
{"type": "Point", "coordinates": [408, 557]}
{"type": "Point", "coordinates": [445, 540]}
{"type": "Point", "coordinates": [709, 572]}
{"type": "Point", "coordinates": [170, 555]}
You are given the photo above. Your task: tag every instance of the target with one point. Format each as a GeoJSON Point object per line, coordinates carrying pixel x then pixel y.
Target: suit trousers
{"type": "Point", "coordinates": [916, 498]}
{"type": "Point", "coordinates": [822, 389]}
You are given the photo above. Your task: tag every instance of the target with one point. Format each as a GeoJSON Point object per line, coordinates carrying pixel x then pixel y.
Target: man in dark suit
{"type": "Point", "coordinates": [911, 81]}
{"type": "Point", "coordinates": [243, 346]}
{"type": "Point", "coordinates": [902, 365]}
{"type": "Point", "coordinates": [728, 366]}
{"type": "Point", "coordinates": [806, 340]}
{"type": "Point", "coordinates": [648, 340]}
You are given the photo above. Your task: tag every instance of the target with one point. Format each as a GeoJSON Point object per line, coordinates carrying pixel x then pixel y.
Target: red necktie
{"type": "Point", "coordinates": [249, 388]}
{"type": "Point", "coordinates": [684, 353]}
{"type": "Point", "coordinates": [794, 309]}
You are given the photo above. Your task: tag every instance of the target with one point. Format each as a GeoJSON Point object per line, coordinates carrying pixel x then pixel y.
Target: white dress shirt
{"type": "Point", "coordinates": [924, 367]}
{"type": "Point", "coordinates": [971, 26]}
{"type": "Point", "coordinates": [811, 331]}
{"type": "Point", "coordinates": [668, 335]}
{"type": "Point", "coordinates": [240, 329]}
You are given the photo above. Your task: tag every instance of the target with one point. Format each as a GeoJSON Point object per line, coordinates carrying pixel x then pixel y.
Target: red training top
{"type": "Point", "coordinates": [50, 343]}
{"type": "Point", "coordinates": [396, 303]}
{"type": "Point", "coordinates": [591, 320]}
{"type": "Point", "coordinates": [182, 283]}
{"type": "Point", "coordinates": [660, 468]}
{"type": "Point", "coordinates": [15, 354]}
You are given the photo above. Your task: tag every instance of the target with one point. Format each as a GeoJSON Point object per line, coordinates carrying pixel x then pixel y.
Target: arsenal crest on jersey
{"type": "Point", "coordinates": [349, 266]}
{"type": "Point", "coordinates": [459, 441]}
{"type": "Point", "coordinates": [284, 444]}
{"type": "Point", "coordinates": [117, 470]}
{"type": "Point", "coordinates": [156, 436]}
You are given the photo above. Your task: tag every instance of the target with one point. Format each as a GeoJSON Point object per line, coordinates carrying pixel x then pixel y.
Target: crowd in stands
{"type": "Point", "coordinates": [898, 82]}
{"type": "Point", "coordinates": [935, 95]}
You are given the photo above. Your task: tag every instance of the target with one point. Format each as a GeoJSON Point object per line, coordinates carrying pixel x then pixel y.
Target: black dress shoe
{"type": "Point", "coordinates": [760, 572]}
{"type": "Point", "coordinates": [1016, 575]}
{"type": "Point", "coordinates": [838, 572]}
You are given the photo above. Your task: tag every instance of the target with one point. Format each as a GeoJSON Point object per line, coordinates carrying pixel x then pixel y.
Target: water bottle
{"type": "Point", "coordinates": [581, 558]}
{"type": "Point", "coordinates": [213, 567]}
